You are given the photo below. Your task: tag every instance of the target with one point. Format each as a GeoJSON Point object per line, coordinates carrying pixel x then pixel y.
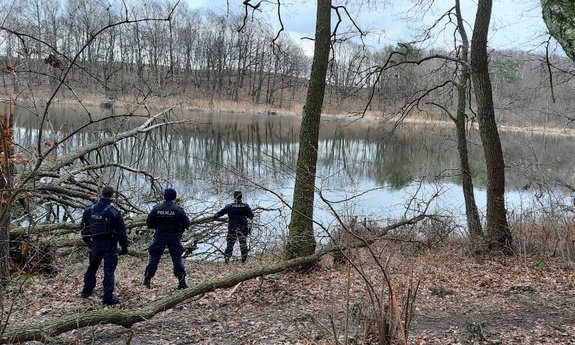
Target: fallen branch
{"type": "Point", "coordinates": [62, 228]}
{"type": "Point", "coordinates": [234, 289]}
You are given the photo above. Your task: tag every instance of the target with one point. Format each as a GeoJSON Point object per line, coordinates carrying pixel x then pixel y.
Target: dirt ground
{"type": "Point", "coordinates": [461, 299]}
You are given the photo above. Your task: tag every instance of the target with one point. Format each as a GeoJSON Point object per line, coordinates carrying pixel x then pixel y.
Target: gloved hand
{"type": "Point", "coordinates": [88, 241]}
{"type": "Point", "coordinates": [123, 251]}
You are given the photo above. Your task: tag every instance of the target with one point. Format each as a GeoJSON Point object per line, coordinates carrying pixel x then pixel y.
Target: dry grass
{"type": "Point", "coordinates": [549, 239]}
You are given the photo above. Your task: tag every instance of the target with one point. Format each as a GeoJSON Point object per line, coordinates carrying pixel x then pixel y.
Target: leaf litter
{"type": "Point", "coordinates": [462, 299]}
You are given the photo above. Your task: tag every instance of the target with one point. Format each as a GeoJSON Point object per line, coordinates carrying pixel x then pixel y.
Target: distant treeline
{"type": "Point", "coordinates": [203, 56]}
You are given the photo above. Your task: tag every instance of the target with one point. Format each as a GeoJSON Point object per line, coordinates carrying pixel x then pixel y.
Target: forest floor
{"type": "Point", "coordinates": [461, 299]}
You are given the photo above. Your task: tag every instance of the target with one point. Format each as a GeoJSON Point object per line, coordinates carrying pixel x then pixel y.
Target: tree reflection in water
{"type": "Point", "coordinates": [365, 170]}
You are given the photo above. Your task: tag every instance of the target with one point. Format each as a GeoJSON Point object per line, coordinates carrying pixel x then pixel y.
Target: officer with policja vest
{"type": "Point", "coordinates": [102, 227]}
{"type": "Point", "coordinates": [170, 221]}
{"type": "Point", "coordinates": [238, 228]}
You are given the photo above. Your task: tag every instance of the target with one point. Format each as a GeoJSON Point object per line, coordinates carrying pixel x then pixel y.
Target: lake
{"type": "Point", "coordinates": [367, 169]}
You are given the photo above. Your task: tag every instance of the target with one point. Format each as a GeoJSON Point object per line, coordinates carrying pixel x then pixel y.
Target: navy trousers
{"type": "Point", "coordinates": [107, 250]}
{"type": "Point", "coordinates": [156, 249]}
{"type": "Point", "coordinates": [240, 235]}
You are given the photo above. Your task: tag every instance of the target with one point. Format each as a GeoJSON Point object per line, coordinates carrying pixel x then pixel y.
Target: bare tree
{"type": "Point", "coordinates": [498, 232]}
{"type": "Point", "coordinates": [473, 220]}
{"type": "Point", "coordinates": [301, 240]}
{"type": "Point", "coordinates": [461, 122]}
{"type": "Point", "coordinates": [6, 185]}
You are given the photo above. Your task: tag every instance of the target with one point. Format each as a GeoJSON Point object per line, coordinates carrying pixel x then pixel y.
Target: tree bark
{"type": "Point", "coordinates": [558, 15]}
{"type": "Point", "coordinates": [301, 240]}
{"type": "Point", "coordinates": [46, 330]}
{"type": "Point", "coordinates": [6, 186]}
{"type": "Point", "coordinates": [473, 220]}
{"type": "Point", "coordinates": [498, 232]}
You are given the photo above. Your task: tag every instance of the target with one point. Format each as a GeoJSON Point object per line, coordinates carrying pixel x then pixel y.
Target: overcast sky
{"type": "Point", "coordinates": [515, 24]}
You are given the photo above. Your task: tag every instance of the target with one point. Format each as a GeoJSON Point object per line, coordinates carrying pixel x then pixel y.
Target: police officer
{"type": "Point", "coordinates": [102, 227]}
{"type": "Point", "coordinates": [238, 230]}
{"type": "Point", "coordinates": [170, 222]}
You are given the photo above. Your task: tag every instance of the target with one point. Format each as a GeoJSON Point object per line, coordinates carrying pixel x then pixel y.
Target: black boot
{"type": "Point", "coordinates": [182, 281]}
{"type": "Point", "coordinates": [147, 280]}
{"type": "Point", "coordinates": [111, 301]}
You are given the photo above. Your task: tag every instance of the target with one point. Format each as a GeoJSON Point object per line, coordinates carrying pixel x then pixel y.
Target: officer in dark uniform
{"type": "Point", "coordinates": [238, 230]}
{"type": "Point", "coordinates": [102, 227]}
{"type": "Point", "coordinates": [170, 222]}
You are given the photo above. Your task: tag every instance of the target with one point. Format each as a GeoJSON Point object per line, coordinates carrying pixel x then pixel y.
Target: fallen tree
{"type": "Point", "coordinates": [45, 331]}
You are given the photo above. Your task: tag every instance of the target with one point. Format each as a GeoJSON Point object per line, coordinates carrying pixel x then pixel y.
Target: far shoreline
{"type": "Point", "coordinates": [247, 108]}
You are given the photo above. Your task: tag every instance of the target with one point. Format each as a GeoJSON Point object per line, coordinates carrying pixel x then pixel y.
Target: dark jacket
{"type": "Point", "coordinates": [168, 217]}
{"type": "Point", "coordinates": [238, 214]}
{"type": "Point", "coordinates": [115, 221]}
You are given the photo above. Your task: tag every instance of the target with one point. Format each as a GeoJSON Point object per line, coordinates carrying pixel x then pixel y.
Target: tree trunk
{"type": "Point", "coordinates": [558, 15]}
{"type": "Point", "coordinates": [473, 220]}
{"type": "Point", "coordinates": [301, 240]}
{"type": "Point", "coordinates": [6, 187]}
{"type": "Point", "coordinates": [498, 232]}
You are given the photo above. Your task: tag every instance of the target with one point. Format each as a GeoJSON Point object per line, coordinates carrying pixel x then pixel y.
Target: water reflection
{"type": "Point", "coordinates": [257, 153]}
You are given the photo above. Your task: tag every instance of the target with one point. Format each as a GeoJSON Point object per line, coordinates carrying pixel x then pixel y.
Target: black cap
{"type": "Point", "coordinates": [237, 195]}
{"type": "Point", "coordinates": [108, 192]}
{"type": "Point", "coordinates": [170, 194]}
